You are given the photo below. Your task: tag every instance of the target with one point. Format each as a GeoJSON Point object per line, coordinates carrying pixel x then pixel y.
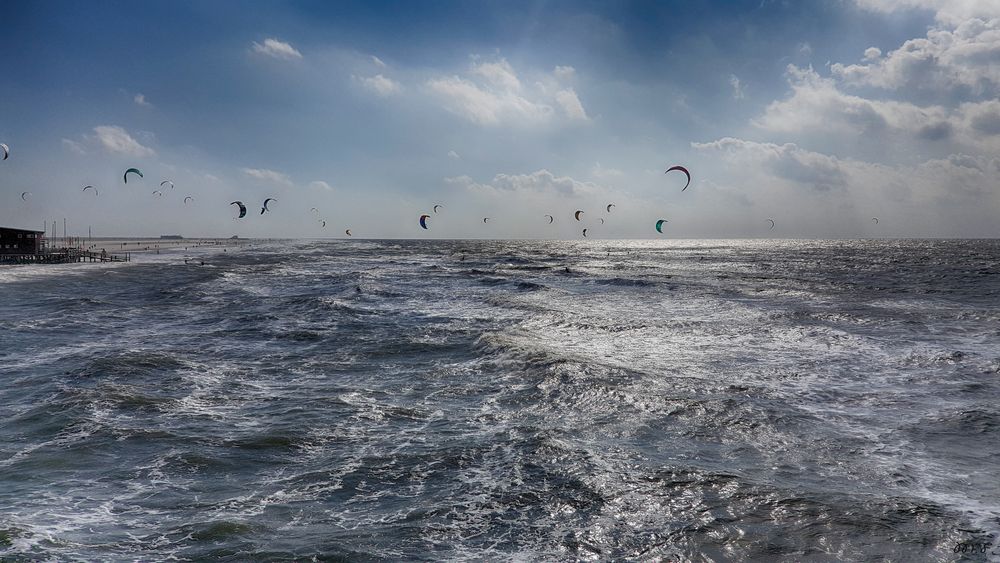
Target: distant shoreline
{"type": "Point", "coordinates": [144, 245]}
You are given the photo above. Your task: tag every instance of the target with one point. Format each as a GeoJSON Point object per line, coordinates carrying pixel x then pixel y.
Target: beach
{"type": "Point", "coordinates": [120, 245]}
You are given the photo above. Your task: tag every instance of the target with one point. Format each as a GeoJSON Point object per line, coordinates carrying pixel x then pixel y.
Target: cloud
{"type": "Point", "coordinates": [956, 178]}
{"type": "Point", "coordinates": [602, 172]}
{"type": "Point", "coordinates": [911, 131]}
{"type": "Point", "coordinates": [984, 118]}
{"type": "Point", "coordinates": [872, 53]}
{"type": "Point", "coordinates": [565, 72]}
{"type": "Point", "coordinates": [538, 182]}
{"type": "Point", "coordinates": [968, 179]}
{"type": "Point", "coordinates": [786, 161]}
{"type": "Point", "coordinates": [454, 155]}
{"type": "Point", "coordinates": [963, 62]}
{"type": "Point", "coordinates": [818, 104]}
{"type": "Point", "coordinates": [491, 93]}
{"type": "Point", "coordinates": [268, 176]}
{"type": "Point", "coordinates": [378, 62]}
{"type": "Point", "coordinates": [276, 49]}
{"type": "Point", "coordinates": [734, 81]}
{"type": "Point", "coordinates": [945, 11]}
{"type": "Point", "coordinates": [117, 140]}
{"type": "Point", "coordinates": [498, 73]}
{"type": "Point", "coordinates": [380, 85]}
{"type": "Point", "coordinates": [571, 105]}
{"type": "Point", "coordinates": [484, 106]}
{"type": "Point", "coordinates": [936, 131]}
{"type": "Point", "coordinates": [320, 185]}
{"type": "Point", "coordinates": [140, 100]}
{"type": "Point", "coordinates": [463, 180]}
{"type": "Point", "coordinates": [74, 146]}
{"type": "Point", "coordinates": [729, 193]}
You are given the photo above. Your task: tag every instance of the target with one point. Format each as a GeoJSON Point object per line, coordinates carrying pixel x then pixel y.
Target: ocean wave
{"type": "Point", "coordinates": [626, 282]}
{"type": "Point", "coordinates": [539, 400]}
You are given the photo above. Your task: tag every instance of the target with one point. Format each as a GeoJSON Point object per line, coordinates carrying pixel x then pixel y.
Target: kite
{"type": "Point", "coordinates": [135, 171]}
{"type": "Point", "coordinates": [686, 173]}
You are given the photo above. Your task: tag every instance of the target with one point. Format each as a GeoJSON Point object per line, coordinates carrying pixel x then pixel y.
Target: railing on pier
{"type": "Point", "coordinates": [90, 256]}
{"type": "Point", "coordinates": [63, 256]}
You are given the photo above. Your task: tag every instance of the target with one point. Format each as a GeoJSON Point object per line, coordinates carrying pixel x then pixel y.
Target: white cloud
{"type": "Point", "coordinates": [463, 180]}
{"type": "Point", "coordinates": [946, 11]}
{"type": "Point", "coordinates": [140, 100]}
{"type": "Point", "coordinates": [378, 62]}
{"type": "Point", "coordinates": [466, 99]}
{"type": "Point", "coordinates": [983, 118]}
{"type": "Point", "coordinates": [74, 146]}
{"type": "Point", "coordinates": [380, 85]}
{"type": "Point", "coordinates": [491, 93]}
{"type": "Point", "coordinates": [910, 132]}
{"type": "Point", "coordinates": [816, 103]}
{"type": "Point", "coordinates": [786, 161]}
{"type": "Point", "coordinates": [872, 53]}
{"type": "Point", "coordinates": [117, 140]}
{"type": "Point", "coordinates": [454, 155]}
{"type": "Point", "coordinates": [320, 185]}
{"type": "Point", "coordinates": [565, 72]}
{"type": "Point", "coordinates": [499, 73]}
{"type": "Point", "coordinates": [960, 61]}
{"type": "Point", "coordinates": [277, 49]}
{"type": "Point", "coordinates": [967, 179]}
{"type": "Point", "coordinates": [268, 176]}
{"type": "Point", "coordinates": [538, 182]}
{"type": "Point", "coordinates": [570, 104]}
{"type": "Point", "coordinates": [602, 172]}
{"type": "Point", "coordinates": [485, 106]}
{"type": "Point", "coordinates": [734, 81]}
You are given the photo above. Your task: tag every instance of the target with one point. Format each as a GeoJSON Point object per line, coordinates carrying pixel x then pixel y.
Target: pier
{"type": "Point", "coordinates": [24, 246]}
{"type": "Point", "coordinates": [63, 256]}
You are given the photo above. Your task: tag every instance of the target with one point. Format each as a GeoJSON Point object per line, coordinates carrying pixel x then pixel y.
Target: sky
{"type": "Point", "coordinates": [818, 115]}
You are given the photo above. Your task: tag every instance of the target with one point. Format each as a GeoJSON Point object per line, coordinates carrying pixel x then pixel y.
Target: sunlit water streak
{"type": "Point", "coordinates": [709, 400]}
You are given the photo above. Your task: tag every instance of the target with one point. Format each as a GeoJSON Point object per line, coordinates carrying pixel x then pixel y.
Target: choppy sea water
{"type": "Point", "coordinates": [516, 400]}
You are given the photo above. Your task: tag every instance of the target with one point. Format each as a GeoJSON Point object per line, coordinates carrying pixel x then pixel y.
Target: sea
{"type": "Point", "coordinates": [363, 400]}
